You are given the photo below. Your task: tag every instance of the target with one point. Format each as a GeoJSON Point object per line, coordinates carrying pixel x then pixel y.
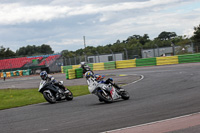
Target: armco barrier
{"type": "Point", "coordinates": [190, 58]}
{"type": "Point", "coordinates": [109, 65]}
{"type": "Point", "coordinates": [167, 60]}
{"type": "Point", "coordinates": [146, 62]}
{"type": "Point", "coordinates": [98, 66]}
{"type": "Point", "coordinates": [125, 64]}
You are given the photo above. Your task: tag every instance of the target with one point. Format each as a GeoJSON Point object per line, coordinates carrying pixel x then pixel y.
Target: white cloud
{"type": "Point", "coordinates": [15, 13]}
{"type": "Point", "coordinates": [62, 23]}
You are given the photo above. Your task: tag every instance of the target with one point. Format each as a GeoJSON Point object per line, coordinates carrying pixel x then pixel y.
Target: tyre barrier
{"type": "Point", "coordinates": [16, 73]}
{"type": "Point", "coordinates": [154, 61]}
{"type": "Point", "coordinates": [74, 73]}
{"type": "Point", "coordinates": [98, 66]}
{"type": "Point", "coordinates": [125, 64]}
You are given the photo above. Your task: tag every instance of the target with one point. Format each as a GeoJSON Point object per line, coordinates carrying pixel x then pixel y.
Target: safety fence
{"type": "Point", "coordinates": [15, 73]}
{"type": "Point", "coordinates": [74, 71]}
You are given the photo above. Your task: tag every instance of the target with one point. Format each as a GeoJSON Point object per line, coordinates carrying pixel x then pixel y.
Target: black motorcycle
{"type": "Point", "coordinates": [53, 93]}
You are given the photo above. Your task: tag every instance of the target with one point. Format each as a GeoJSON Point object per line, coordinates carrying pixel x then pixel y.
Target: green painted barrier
{"type": "Point", "coordinates": [190, 58]}
{"type": "Point", "coordinates": [146, 62]}
{"type": "Point", "coordinates": [109, 65]}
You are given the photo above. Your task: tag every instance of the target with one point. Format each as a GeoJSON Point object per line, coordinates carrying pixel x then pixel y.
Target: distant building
{"type": "Point", "coordinates": [105, 58]}
{"type": "Point", "coordinates": [163, 51]}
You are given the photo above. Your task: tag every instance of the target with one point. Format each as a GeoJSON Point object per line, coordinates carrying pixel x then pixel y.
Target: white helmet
{"type": "Point", "coordinates": [83, 63]}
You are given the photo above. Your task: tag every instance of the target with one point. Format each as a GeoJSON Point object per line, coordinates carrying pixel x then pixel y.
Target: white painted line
{"type": "Point", "coordinates": [141, 78]}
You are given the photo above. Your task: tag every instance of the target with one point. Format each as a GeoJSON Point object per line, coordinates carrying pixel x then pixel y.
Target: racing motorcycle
{"type": "Point", "coordinates": [106, 92]}
{"type": "Point", "coordinates": [53, 93]}
{"type": "Point", "coordinates": [86, 69]}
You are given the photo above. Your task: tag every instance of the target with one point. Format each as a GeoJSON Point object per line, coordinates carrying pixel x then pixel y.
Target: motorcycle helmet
{"type": "Point", "coordinates": [83, 63]}
{"type": "Point", "coordinates": [99, 77]}
{"type": "Point", "coordinates": [43, 75]}
{"type": "Point", "coordinates": [89, 74]}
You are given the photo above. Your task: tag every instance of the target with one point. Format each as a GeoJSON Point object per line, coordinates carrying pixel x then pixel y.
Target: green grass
{"type": "Point", "coordinates": [10, 98]}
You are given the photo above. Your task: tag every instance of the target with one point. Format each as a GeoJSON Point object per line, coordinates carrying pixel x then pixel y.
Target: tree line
{"type": "Point", "coordinates": [26, 51]}
{"type": "Point", "coordinates": [134, 42]}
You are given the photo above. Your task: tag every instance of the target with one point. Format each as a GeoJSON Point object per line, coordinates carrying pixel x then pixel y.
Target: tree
{"type": "Point", "coordinates": [196, 36]}
{"type": "Point", "coordinates": [34, 50]}
{"type": "Point", "coordinates": [6, 52]}
{"type": "Point", "coordinates": [166, 35]}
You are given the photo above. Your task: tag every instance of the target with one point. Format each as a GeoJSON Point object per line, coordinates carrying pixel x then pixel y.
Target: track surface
{"type": "Point", "coordinates": [165, 92]}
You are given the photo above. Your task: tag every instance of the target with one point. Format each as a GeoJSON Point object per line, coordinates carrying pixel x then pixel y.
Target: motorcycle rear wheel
{"type": "Point", "coordinates": [49, 97]}
{"type": "Point", "coordinates": [106, 98]}
{"type": "Point", "coordinates": [125, 95]}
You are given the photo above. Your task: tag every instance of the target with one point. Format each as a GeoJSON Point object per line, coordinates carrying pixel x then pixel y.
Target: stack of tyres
{"type": "Point", "coordinates": [146, 62]}
{"type": "Point", "coordinates": [65, 68]}
{"type": "Point", "coordinates": [17, 73]}
{"type": "Point", "coordinates": [67, 74]}
{"type": "Point", "coordinates": [71, 74]}
{"type": "Point", "coordinates": [189, 58]}
{"type": "Point", "coordinates": [11, 73]}
{"type": "Point", "coordinates": [24, 72]}
{"type": "Point", "coordinates": [20, 72]}
{"type": "Point", "coordinates": [28, 72]}
{"type": "Point", "coordinates": [79, 73]}
{"type": "Point", "coordinates": [62, 69]}
{"type": "Point", "coordinates": [109, 65]}
{"type": "Point", "coordinates": [14, 73]}
{"type": "Point", "coordinates": [1, 74]}
{"type": "Point", "coordinates": [8, 74]}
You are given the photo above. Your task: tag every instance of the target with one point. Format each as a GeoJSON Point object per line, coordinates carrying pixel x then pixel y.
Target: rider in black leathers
{"type": "Point", "coordinates": [50, 78]}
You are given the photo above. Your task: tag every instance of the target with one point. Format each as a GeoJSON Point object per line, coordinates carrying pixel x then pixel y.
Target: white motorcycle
{"type": "Point", "coordinates": [106, 92]}
{"type": "Point", "coordinates": [53, 93]}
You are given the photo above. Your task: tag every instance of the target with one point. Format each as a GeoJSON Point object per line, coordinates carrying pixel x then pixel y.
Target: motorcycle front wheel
{"type": "Point", "coordinates": [125, 95]}
{"type": "Point", "coordinates": [69, 95]}
{"type": "Point", "coordinates": [49, 96]}
{"type": "Point", "coordinates": [104, 97]}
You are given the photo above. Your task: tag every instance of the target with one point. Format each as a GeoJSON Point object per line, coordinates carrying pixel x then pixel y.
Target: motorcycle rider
{"type": "Point", "coordinates": [85, 67]}
{"type": "Point", "coordinates": [100, 79]}
{"type": "Point", "coordinates": [50, 78]}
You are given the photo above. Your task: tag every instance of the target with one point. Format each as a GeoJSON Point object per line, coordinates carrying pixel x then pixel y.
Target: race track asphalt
{"type": "Point", "coordinates": [165, 92]}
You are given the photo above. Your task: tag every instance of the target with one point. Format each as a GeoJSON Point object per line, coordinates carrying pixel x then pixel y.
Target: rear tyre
{"type": "Point", "coordinates": [125, 95]}
{"type": "Point", "coordinates": [69, 95]}
{"type": "Point", "coordinates": [49, 96]}
{"type": "Point", "coordinates": [104, 97]}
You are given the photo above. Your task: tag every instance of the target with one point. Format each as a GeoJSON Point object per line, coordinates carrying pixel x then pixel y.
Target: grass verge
{"type": "Point", "coordinates": [10, 98]}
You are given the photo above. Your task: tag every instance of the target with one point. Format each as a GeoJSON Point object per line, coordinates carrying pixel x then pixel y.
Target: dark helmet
{"type": "Point", "coordinates": [43, 75]}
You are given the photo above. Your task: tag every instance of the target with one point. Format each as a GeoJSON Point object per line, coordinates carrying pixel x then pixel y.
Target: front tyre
{"type": "Point", "coordinates": [69, 95]}
{"type": "Point", "coordinates": [125, 95]}
{"type": "Point", "coordinates": [49, 96]}
{"type": "Point", "coordinates": [104, 97]}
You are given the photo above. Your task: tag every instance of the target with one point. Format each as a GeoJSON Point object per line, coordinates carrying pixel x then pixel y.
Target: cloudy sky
{"type": "Point", "coordinates": [63, 23]}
